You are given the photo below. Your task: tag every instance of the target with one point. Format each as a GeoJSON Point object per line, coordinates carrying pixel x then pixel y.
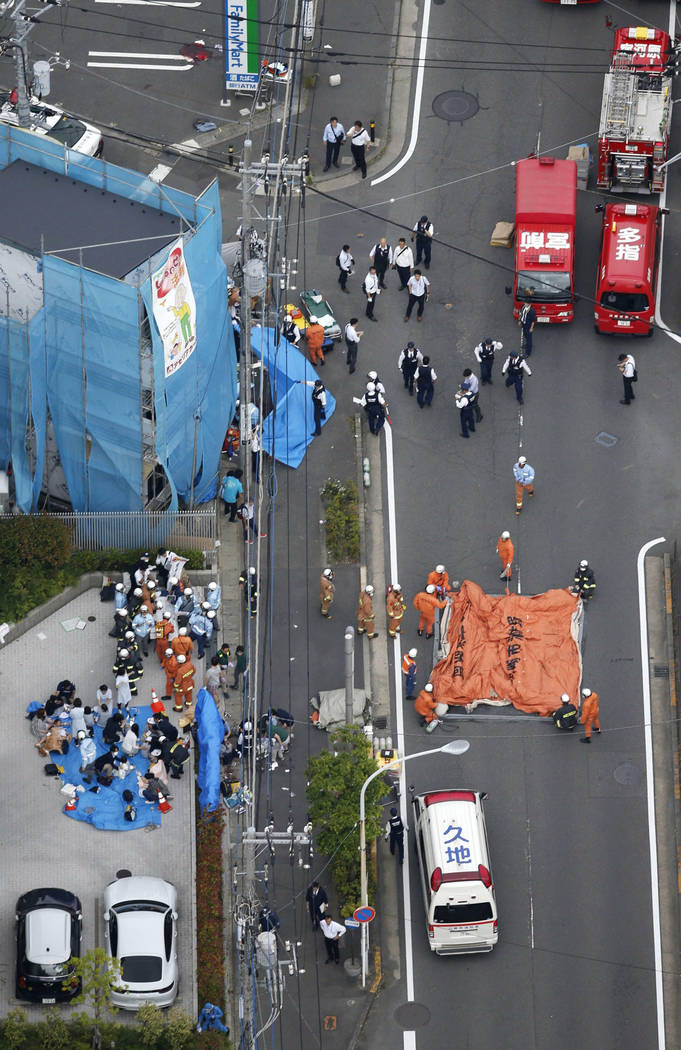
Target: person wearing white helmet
{"type": "Point", "coordinates": [365, 612]}
{"type": "Point", "coordinates": [327, 590]}
{"type": "Point", "coordinates": [590, 715]}
{"type": "Point", "coordinates": [182, 643]}
{"type": "Point", "coordinates": [395, 606]}
{"type": "Point", "coordinates": [126, 666]}
{"type": "Point", "coordinates": [439, 578]}
{"type": "Point", "coordinates": [584, 583]}
{"type": "Point", "coordinates": [425, 603]}
{"type": "Point", "coordinates": [505, 550]}
{"type": "Point", "coordinates": [120, 599]}
{"type": "Point", "coordinates": [163, 628]}
{"type": "Point", "coordinates": [214, 595]}
{"type": "Point", "coordinates": [425, 705]}
{"type": "Point", "coordinates": [376, 408]}
{"type": "Point", "coordinates": [524, 481]}
{"type": "Point", "coordinates": [565, 716]}
{"type": "Point", "coordinates": [290, 330]}
{"type": "Point", "coordinates": [143, 625]}
{"type": "Point", "coordinates": [372, 377]}
{"type": "Point", "coordinates": [183, 684]}
{"type": "Point", "coordinates": [185, 607]}
{"type": "Point", "coordinates": [409, 672]}
{"type": "Point", "coordinates": [170, 666]}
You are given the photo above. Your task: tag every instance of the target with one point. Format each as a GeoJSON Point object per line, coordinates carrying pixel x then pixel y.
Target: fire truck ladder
{"type": "Point", "coordinates": [623, 90]}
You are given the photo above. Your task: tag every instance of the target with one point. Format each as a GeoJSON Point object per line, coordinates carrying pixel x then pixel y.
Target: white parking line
{"type": "Point", "coordinates": [138, 65]}
{"type": "Point", "coordinates": [650, 788]}
{"type": "Point", "coordinates": [418, 92]}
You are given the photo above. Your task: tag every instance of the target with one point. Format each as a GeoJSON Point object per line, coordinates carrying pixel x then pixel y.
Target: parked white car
{"type": "Point", "coordinates": [49, 120]}
{"type": "Point", "coordinates": [141, 934]}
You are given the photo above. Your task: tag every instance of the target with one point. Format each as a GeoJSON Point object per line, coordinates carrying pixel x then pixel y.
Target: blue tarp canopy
{"type": "Point", "coordinates": [287, 431]}
{"type": "Point", "coordinates": [211, 732]}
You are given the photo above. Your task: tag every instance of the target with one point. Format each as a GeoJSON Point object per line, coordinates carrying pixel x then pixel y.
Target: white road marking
{"type": "Point", "coordinates": [153, 3]}
{"type": "Point", "coordinates": [663, 201]}
{"type": "Point", "coordinates": [138, 65]}
{"type": "Point", "coordinates": [650, 788]}
{"type": "Point", "coordinates": [418, 92]}
{"type": "Point", "coordinates": [162, 171]}
{"type": "Point", "coordinates": [408, 1037]}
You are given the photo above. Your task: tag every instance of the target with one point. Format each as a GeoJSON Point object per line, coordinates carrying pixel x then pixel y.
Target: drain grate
{"type": "Point", "coordinates": [660, 670]}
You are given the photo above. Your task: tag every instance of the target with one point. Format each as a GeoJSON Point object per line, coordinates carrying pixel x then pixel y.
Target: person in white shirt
{"type": "Point", "coordinates": [470, 382]}
{"type": "Point", "coordinates": [403, 262]}
{"type": "Point", "coordinates": [334, 137]}
{"type": "Point", "coordinates": [345, 264]}
{"type": "Point", "coordinates": [381, 256]}
{"type": "Point", "coordinates": [627, 366]}
{"type": "Point", "coordinates": [419, 292]}
{"type": "Point", "coordinates": [484, 355]}
{"type": "Point", "coordinates": [333, 931]}
{"type": "Point", "coordinates": [360, 141]}
{"type": "Point", "coordinates": [352, 338]}
{"type": "Point", "coordinates": [371, 290]}
{"type": "Point", "coordinates": [423, 232]}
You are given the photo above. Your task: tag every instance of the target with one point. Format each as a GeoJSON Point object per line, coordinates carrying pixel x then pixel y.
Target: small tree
{"type": "Point", "coordinates": [54, 1034]}
{"type": "Point", "coordinates": [100, 975]}
{"type": "Point", "coordinates": [150, 1024]}
{"type": "Point", "coordinates": [335, 783]}
{"type": "Point", "coordinates": [179, 1029]}
{"type": "Point", "coordinates": [15, 1029]}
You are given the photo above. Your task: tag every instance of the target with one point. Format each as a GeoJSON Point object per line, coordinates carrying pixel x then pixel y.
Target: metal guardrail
{"type": "Point", "coordinates": [124, 530]}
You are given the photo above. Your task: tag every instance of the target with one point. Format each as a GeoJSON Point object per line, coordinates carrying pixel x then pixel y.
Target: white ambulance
{"type": "Point", "coordinates": [455, 872]}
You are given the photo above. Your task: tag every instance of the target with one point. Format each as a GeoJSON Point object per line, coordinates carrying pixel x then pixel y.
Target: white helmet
{"type": "Point", "coordinates": [251, 571]}
{"type": "Point", "coordinates": [565, 698]}
{"type": "Point", "coordinates": [130, 634]}
{"type": "Point", "coordinates": [124, 653]}
{"type": "Point", "coordinates": [288, 317]}
{"type": "Point", "coordinates": [429, 687]}
{"type": "Point", "coordinates": [371, 387]}
{"type": "Point", "coordinates": [137, 592]}
{"type": "Point", "coordinates": [120, 587]}
{"type": "Point", "coordinates": [369, 589]}
{"type": "Point", "coordinates": [396, 587]}
{"type": "Point", "coordinates": [122, 612]}
{"type": "Point", "coordinates": [211, 615]}
{"type": "Point", "coordinates": [584, 564]}
{"type": "Point", "coordinates": [172, 580]}
{"type": "Point", "coordinates": [212, 585]}
{"type": "Point", "coordinates": [182, 631]}
{"type": "Point", "coordinates": [143, 608]}
{"type": "Point", "coordinates": [181, 659]}
{"type": "Point", "coordinates": [505, 535]}
{"type": "Point", "coordinates": [328, 573]}
{"type": "Point", "coordinates": [81, 734]}
{"type": "Point", "coordinates": [205, 606]}
{"type": "Point", "coordinates": [168, 652]}
{"type": "Point", "coordinates": [430, 589]}
{"type": "Point", "coordinates": [586, 692]}
{"type": "Point", "coordinates": [373, 376]}
{"type": "Point", "coordinates": [439, 568]}
{"type": "Point", "coordinates": [413, 652]}
{"type": "Point", "coordinates": [188, 590]}
{"type": "Point", "coordinates": [522, 461]}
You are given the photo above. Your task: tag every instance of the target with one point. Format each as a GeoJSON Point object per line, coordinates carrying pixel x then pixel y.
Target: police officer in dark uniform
{"type": "Point", "coordinates": [585, 582]}
{"type": "Point", "coordinates": [374, 404]}
{"type": "Point", "coordinates": [395, 828]}
{"type": "Point", "coordinates": [248, 581]}
{"type": "Point", "coordinates": [566, 717]}
{"type": "Point", "coordinates": [410, 359]}
{"type": "Point", "coordinates": [122, 623]}
{"type": "Point", "coordinates": [484, 355]}
{"type": "Point", "coordinates": [464, 402]}
{"type": "Point", "coordinates": [425, 378]}
{"type": "Point", "coordinates": [381, 256]}
{"type": "Point", "coordinates": [318, 406]}
{"type": "Point", "coordinates": [423, 232]}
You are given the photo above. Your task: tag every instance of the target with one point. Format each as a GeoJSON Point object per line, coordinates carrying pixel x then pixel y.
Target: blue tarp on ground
{"type": "Point", "coordinates": [287, 431]}
{"type": "Point", "coordinates": [211, 732]}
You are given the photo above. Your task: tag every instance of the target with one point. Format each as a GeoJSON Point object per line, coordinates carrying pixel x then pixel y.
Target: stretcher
{"type": "Point", "coordinates": [317, 308]}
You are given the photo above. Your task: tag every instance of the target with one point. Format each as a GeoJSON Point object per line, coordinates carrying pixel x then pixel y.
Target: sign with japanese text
{"type": "Point", "coordinates": [628, 244]}
{"type": "Point", "coordinates": [455, 848]}
{"type": "Point", "coordinates": [174, 308]}
{"type": "Point", "coordinates": [241, 45]}
{"type": "Point", "coordinates": [551, 239]}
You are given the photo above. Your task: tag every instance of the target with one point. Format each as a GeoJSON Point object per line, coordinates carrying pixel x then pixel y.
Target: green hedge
{"type": "Point", "coordinates": [153, 1030]}
{"type": "Point", "coordinates": [342, 520]}
{"type": "Point", "coordinates": [39, 562]}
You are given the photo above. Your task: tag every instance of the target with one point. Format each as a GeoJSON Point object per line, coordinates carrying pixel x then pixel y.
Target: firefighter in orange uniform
{"type": "Point", "coordinates": [394, 607]}
{"type": "Point", "coordinates": [327, 590]}
{"type": "Point", "coordinates": [505, 552]}
{"type": "Point", "coordinates": [314, 337]}
{"type": "Point", "coordinates": [426, 602]}
{"type": "Point", "coordinates": [182, 645]}
{"type": "Point", "coordinates": [439, 578]}
{"type": "Point", "coordinates": [163, 628]}
{"type": "Point", "coordinates": [425, 704]}
{"type": "Point", "coordinates": [170, 666]}
{"type": "Point", "coordinates": [589, 716]}
{"type": "Point", "coordinates": [365, 612]}
{"type": "Point", "coordinates": [183, 687]}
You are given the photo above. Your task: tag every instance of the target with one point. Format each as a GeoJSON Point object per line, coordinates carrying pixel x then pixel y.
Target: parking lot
{"type": "Point", "coordinates": [40, 845]}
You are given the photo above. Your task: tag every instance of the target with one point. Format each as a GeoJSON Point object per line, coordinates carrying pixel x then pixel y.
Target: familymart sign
{"type": "Point", "coordinates": [241, 45]}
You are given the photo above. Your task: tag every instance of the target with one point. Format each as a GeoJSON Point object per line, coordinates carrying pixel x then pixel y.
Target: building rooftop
{"type": "Point", "coordinates": [42, 209]}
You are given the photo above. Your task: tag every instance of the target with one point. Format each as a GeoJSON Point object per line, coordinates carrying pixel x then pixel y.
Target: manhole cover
{"type": "Point", "coordinates": [627, 774]}
{"type": "Point", "coordinates": [411, 1016]}
{"type": "Point", "coordinates": [455, 106]}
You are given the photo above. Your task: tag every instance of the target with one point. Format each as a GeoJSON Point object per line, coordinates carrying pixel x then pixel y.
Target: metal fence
{"type": "Point", "coordinates": [124, 530]}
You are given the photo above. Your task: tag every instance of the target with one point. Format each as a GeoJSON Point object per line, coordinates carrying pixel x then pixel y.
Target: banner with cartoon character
{"type": "Point", "coordinates": [175, 309]}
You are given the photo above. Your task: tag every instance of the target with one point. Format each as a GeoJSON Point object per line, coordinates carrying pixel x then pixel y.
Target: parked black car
{"type": "Point", "coordinates": [49, 923]}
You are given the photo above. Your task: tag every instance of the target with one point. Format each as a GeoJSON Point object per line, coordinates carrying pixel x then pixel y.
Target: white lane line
{"type": "Point", "coordinates": [671, 28]}
{"type": "Point", "coordinates": [137, 65]}
{"type": "Point", "coordinates": [133, 54]}
{"type": "Point", "coordinates": [416, 115]}
{"type": "Point", "coordinates": [408, 1037]}
{"type": "Point", "coordinates": [650, 788]}
{"type": "Point", "coordinates": [158, 63]}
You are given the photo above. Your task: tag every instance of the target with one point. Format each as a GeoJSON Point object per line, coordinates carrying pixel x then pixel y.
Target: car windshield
{"type": "Point", "coordinates": [629, 302]}
{"type": "Point", "coordinates": [50, 970]}
{"type": "Point", "coordinates": [68, 131]}
{"type": "Point", "coordinates": [544, 286]}
{"type": "Point", "coordinates": [140, 906]}
{"type": "Point", "coordinates": [141, 969]}
{"type": "Point", "coordinates": [468, 913]}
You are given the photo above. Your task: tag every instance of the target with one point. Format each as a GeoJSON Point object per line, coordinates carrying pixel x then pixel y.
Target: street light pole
{"type": "Point", "coordinates": [452, 747]}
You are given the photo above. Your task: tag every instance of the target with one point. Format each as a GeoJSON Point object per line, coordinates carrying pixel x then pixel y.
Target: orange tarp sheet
{"type": "Point", "coordinates": [512, 648]}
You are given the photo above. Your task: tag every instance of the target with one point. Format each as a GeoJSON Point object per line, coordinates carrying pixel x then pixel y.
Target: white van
{"type": "Point", "coordinates": [456, 877]}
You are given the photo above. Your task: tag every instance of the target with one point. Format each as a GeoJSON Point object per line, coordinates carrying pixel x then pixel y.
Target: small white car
{"type": "Point", "coordinates": [49, 120]}
{"type": "Point", "coordinates": [141, 934]}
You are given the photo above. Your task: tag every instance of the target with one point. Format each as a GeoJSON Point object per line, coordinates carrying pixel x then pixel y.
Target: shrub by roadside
{"type": "Point", "coordinates": [342, 520]}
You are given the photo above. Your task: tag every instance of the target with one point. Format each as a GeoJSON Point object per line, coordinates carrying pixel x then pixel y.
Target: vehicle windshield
{"type": "Point", "coordinates": [625, 302]}
{"type": "Point", "coordinates": [544, 286]}
{"type": "Point", "coordinates": [141, 969]}
{"type": "Point", "coordinates": [468, 913]}
{"type": "Point", "coordinates": [50, 970]}
{"type": "Point", "coordinates": [140, 906]}
{"type": "Point", "coordinates": [68, 131]}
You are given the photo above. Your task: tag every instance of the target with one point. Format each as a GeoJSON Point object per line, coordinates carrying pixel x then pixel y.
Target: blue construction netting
{"type": "Point", "coordinates": [287, 431]}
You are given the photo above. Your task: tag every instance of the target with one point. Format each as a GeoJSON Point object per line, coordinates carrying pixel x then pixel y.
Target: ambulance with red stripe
{"type": "Point", "coordinates": [627, 270]}
{"type": "Point", "coordinates": [455, 873]}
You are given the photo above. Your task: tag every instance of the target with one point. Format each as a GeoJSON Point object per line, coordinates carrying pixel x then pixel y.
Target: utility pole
{"type": "Point", "coordinates": [349, 673]}
{"type": "Point", "coordinates": [20, 33]}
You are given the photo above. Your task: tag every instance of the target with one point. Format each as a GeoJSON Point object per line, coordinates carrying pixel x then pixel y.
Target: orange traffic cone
{"type": "Point", "coordinates": [156, 704]}
{"type": "Point", "coordinates": [163, 803]}
{"type": "Point", "coordinates": [71, 804]}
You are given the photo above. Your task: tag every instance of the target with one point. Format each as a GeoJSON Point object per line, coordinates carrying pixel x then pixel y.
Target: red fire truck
{"type": "Point", "coordinates": [627, 270]}
{"type": "Point", "coordinates": [636, 112]}
{"type": "Point", "coordinates": [545, 215]}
